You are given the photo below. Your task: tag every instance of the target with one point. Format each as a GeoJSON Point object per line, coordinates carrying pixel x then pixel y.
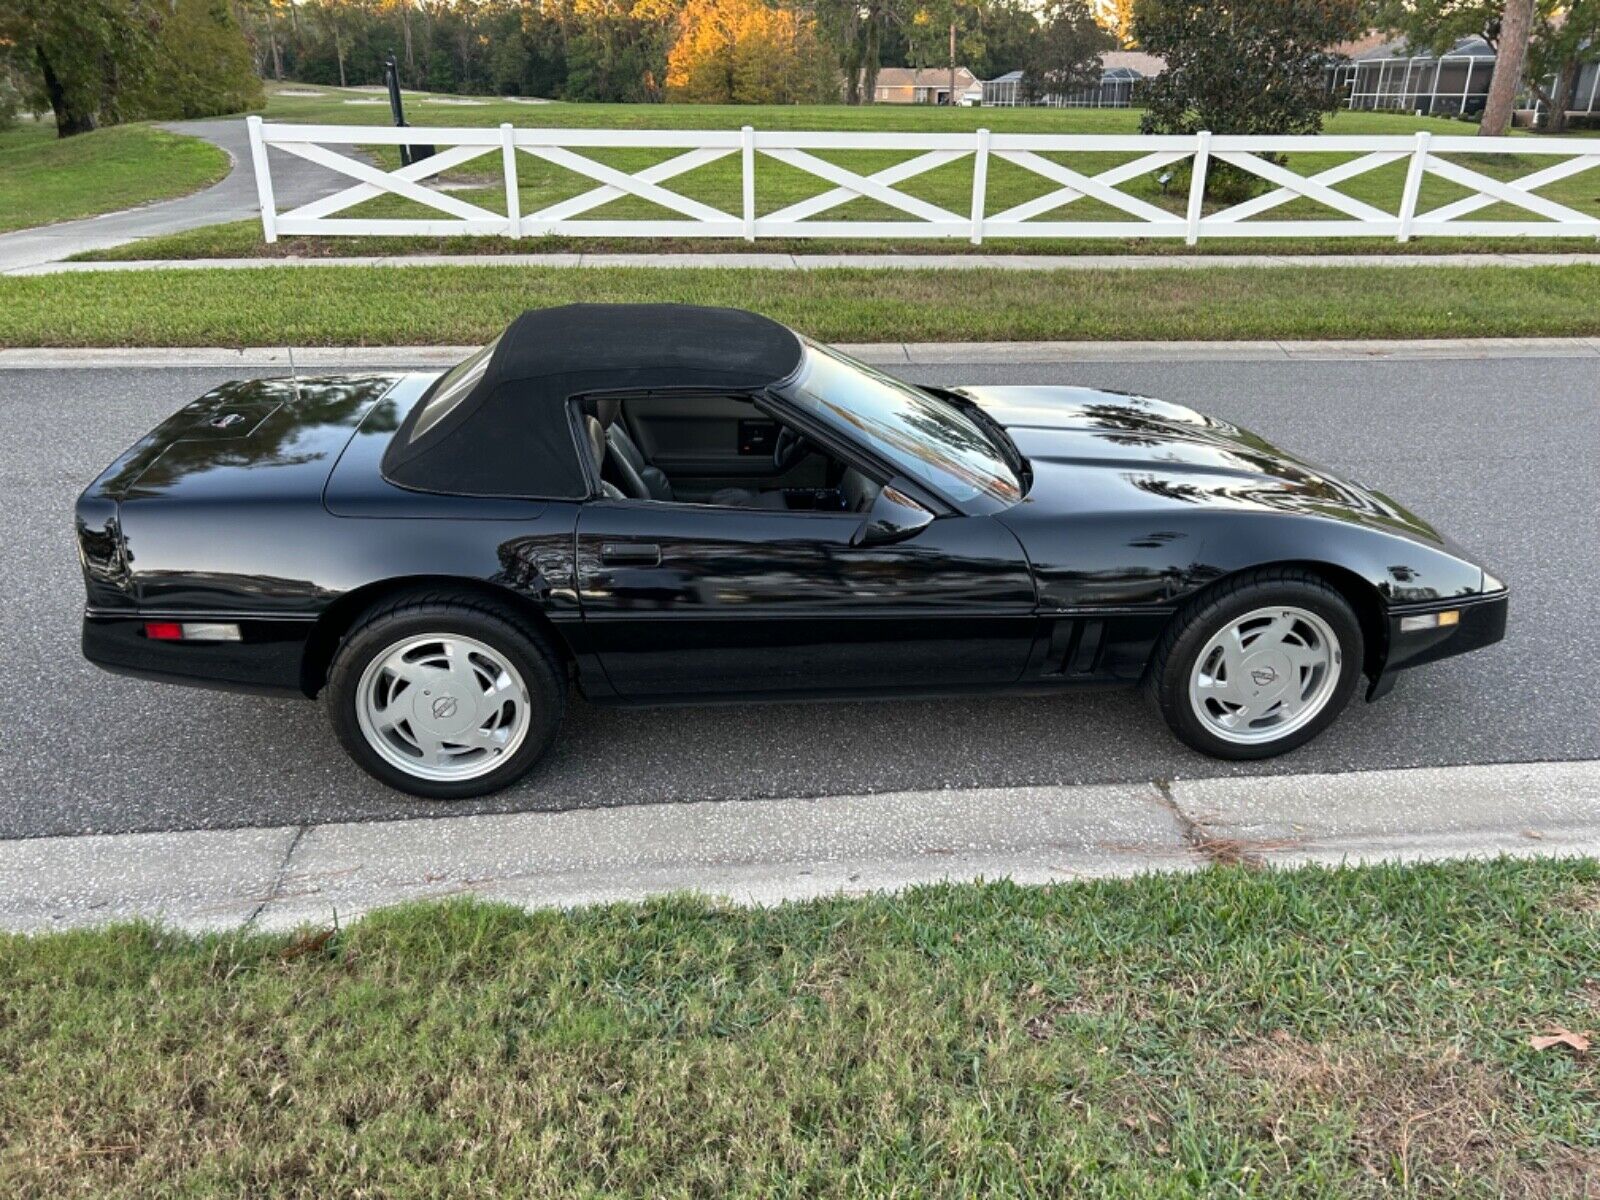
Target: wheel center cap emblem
{"type": "Point", "coordinates": [444, 707]}
{"type": "Point", "coordinates": [1264, 676]}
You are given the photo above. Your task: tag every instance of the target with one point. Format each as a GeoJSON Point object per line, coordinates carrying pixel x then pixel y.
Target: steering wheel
{"type": "Point", "coordinates": [789, 449]}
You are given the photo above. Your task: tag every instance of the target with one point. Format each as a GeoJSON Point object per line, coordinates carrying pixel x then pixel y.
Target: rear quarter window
{"type": "Point", "coordinates": [454, 386]}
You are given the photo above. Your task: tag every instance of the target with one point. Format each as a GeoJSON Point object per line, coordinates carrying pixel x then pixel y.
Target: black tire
{"type": "Point", "coordinates": [1174, 659]}
{"type": "Point", "coordinates": [495, 625]}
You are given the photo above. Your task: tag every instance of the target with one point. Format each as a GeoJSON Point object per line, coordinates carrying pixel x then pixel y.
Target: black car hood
{"type": "Point", "coordinates": [1099, 451]}
{"type": "Point", "coordinates": [269, 437]}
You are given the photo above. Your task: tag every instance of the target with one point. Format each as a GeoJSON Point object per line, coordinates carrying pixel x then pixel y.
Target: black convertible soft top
{"type": "Point", "coordinates": [509, 433]}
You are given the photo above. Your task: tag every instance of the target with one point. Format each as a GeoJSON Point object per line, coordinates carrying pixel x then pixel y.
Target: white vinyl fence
{"type": "Point", "coordinates": [567, 149]}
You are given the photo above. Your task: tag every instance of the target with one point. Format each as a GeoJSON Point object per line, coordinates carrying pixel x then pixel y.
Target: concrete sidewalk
{"type": "Point", "coordinates": [772, 850]}
{"type": "Point", "coordinates": [814, 262]}
{"type": "Point", "coordinates": [348, 358]}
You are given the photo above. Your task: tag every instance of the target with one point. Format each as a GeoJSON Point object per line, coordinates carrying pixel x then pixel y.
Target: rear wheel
{"type": "Point", "coordinates": [1259, 666]}
{"type": "Point", "coordinates": [445, 696]}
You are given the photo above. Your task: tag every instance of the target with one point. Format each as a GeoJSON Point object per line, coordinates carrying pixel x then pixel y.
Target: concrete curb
{"type": "Point", "coordinates": [817, 262]}
{"type": "Point", "coordinates": [767, 851]}
{"type": "Point", "coordinates": [889, 353]}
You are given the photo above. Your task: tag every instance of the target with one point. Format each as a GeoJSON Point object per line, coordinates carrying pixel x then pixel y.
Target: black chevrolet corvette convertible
{"type": "Point", "coordinates": [669, 504]}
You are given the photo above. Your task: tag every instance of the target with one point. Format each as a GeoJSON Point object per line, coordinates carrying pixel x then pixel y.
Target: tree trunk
{"type": "Point", "coordinates": [1566, 96]}
{"type": "Point", "coordinates": [952, 64]}
{"type": "Point", "coordinates": [1511, 53]}
{"type": "Point", "coordinates": [272, 41]}
{"type": "Point", "coordinates": [873, 57]}
{"type": "Point", "coordinates": [70, 120]}
{"type": "Point", "coordinates": [850, 57]}
{"type": "Point", "coordinates": [338, 52]}
{"type": "Point", "coordinates": [405, 30]}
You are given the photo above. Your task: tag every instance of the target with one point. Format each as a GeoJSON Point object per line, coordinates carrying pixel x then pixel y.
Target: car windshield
{"type": "Point", "coordinates": [452, 388]}
{"type": "Point", "coordinates": [928, 439]}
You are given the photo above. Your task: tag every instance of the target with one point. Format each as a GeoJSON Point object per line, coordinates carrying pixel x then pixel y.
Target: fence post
{"type": "Point", "coordinates": [508, 156]}
{"type": "Point", "coordinates": [747, 158]}
{"type": "Point", "coordinates": [980, 183]}
{"type": "Point", "coordinates": [258, 160]}
{"type": "Point", "coordinates": [1197, 185]}
{"type": "Point", "coordinates": [1408, 201]}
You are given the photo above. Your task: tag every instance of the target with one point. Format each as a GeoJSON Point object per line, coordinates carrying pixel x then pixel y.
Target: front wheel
{"type": "Point", "coordinates": [1258, 667]}
{"type": "Point", "coordinates": [445, 696]}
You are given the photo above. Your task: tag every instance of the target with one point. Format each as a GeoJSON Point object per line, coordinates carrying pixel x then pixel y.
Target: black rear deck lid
{"type": "Point", "coordinates": [231, 421]}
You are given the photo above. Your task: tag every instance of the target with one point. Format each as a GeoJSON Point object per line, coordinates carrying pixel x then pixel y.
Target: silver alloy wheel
{"type": "Point", "coordinates": [1265, 675]}
{"type": "Point", "coordinates": [443, 707]}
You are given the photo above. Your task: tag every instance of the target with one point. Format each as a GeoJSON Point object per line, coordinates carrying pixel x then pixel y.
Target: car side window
{"type": "Point", "coordinates": [716, 450]}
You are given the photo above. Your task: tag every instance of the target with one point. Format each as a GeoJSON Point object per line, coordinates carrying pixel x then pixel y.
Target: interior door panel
{"type": "Point", "coordinates": [703, 442]}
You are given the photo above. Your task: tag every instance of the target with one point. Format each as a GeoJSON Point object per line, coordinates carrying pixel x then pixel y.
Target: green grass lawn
{"type": "Point", "coordinates": [242, 239]}
{"type": "Point", "coordinates": [718, 184]}
{"type": "Point", "coordinates": [1317, 1033]}
{"type": "Point", "coordinates": [452, 305]}
{"type": "Point", "coordinates": [44, 179]}
{"type": "Point", "coordinates": [336, 106]}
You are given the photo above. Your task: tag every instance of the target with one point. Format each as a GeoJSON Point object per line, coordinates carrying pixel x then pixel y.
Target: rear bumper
{"type": "Point", "coordinates": [266, 659]}
{"type": "Point", "coordinates": [1483, 623]}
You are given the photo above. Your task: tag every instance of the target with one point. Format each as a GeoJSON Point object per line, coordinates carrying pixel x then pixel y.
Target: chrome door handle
{"type": "Point", "coordinates": [632, 554]}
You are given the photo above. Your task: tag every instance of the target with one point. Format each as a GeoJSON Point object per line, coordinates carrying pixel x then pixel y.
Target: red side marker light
{"type": "Point", "coordinates": [163, 631]}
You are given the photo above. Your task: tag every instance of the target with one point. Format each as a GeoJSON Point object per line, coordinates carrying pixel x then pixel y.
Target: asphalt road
{"type": "Point", "coordinates": [1501, 453]}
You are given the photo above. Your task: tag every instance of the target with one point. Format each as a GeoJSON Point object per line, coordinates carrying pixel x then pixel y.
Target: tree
{"type": "Point", "coordinates": [740, 52]}
{"type": "Point", "coordinates": [95, 62]}
{"type": "Point", "coordinates": [1065, 56]}
{"type": "Point", "coordinates": [81, 58]}
{"type": "Point", "coordinates": [402, 12]}
{"type": "Point", "coordinates": [1242, 66]}
{"type": "Point", "coordinates": [203, 65]}
{"type": "Point", "coordinates": [1005, 31]}
{"type": "Point", "coordinates": [1510, 58]}
{"type": "Point", "coordinates": [857, 30]}
{"type": "Point", "coordinates": [1117, 17]}
{"type": "Point", "coordinates": [272, 57]}
{"type": "Point", "coordinates": [616, 49]}
{"type": "Point", "coordinates": [338, 22]}
{"type": "Point", "coordinates": [988, 37]}
{"type": "Point", "coordinates": [930, 37]}
{"type": "Point", "coordinates": [10, 98]}
{"type": "Point", "coordinates": [1548, 35]}
{"type": "Point", "coordinates": [1565, 35]}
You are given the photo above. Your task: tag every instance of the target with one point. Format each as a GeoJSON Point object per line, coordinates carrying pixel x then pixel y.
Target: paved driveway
{"type": "Point", "coordinates": [294, 182]}
{"type": "Point", "coordinates": [1500, 452]}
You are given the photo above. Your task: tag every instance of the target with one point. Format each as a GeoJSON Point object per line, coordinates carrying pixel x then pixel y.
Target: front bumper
{"type": "Point", "coordinates": [267, 658]}
{"type": "Point", "coordinates": [1482, 623]}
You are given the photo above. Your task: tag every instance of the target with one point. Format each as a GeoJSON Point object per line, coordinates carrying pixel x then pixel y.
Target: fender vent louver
{"type": "Point", "coordinates": [1075, 647]}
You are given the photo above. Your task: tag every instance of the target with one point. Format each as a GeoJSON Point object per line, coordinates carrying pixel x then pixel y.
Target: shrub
{"type": "Point", "coordinates": [1241, 66]}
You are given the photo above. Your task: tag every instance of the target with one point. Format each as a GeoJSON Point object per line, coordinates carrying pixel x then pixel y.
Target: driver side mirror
{"type": "Point", "coordinates": [894, 517]}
